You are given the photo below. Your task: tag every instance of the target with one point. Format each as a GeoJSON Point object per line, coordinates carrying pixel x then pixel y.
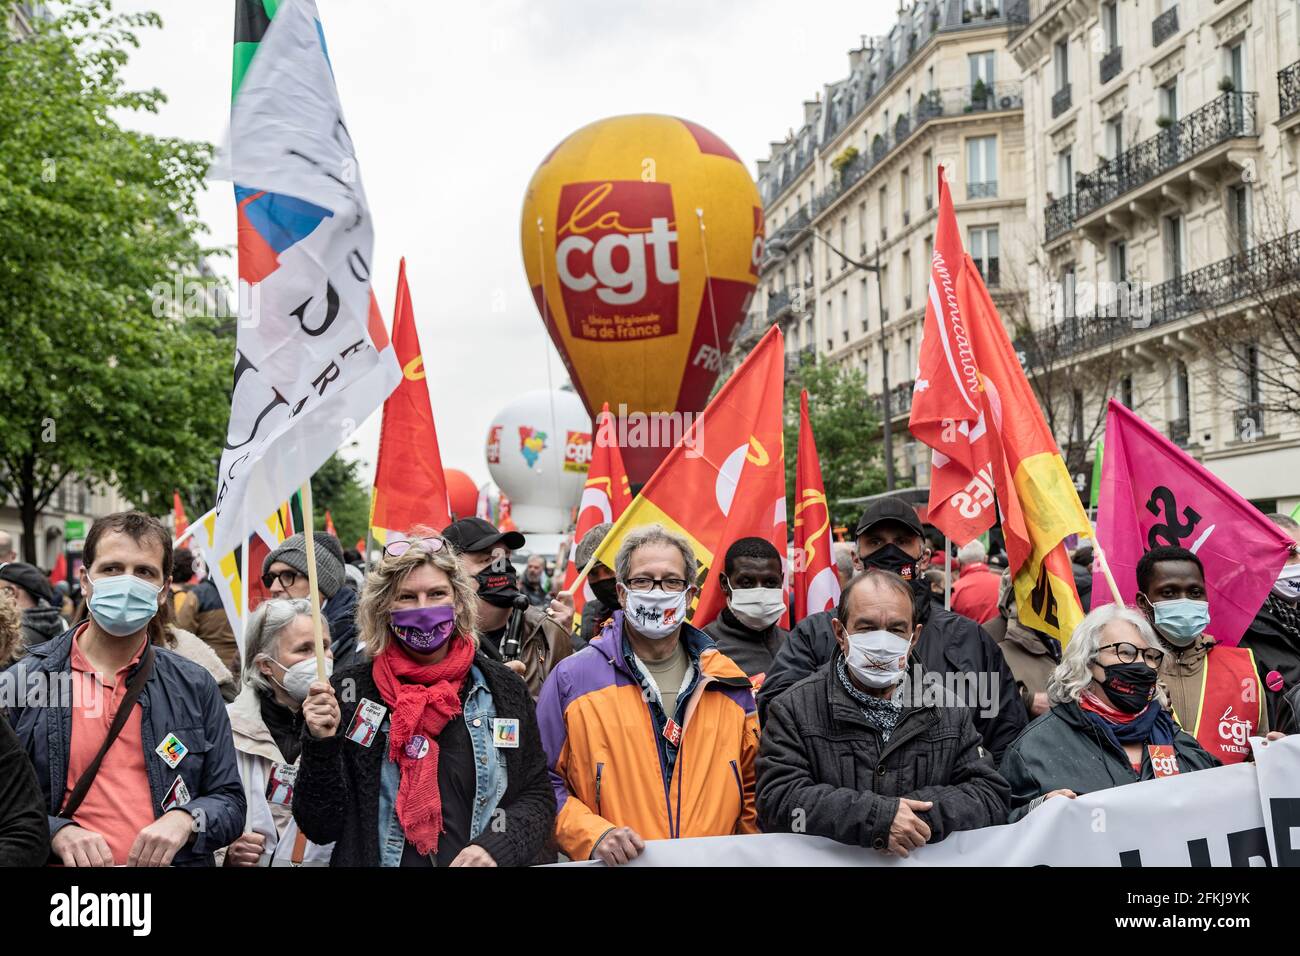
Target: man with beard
{"type": "Point", "coordinates": [890, 538]}
{"type": "Point", "coordinates": [1274, 635]}
{"type": "Point", "coordinates": [530, 639]}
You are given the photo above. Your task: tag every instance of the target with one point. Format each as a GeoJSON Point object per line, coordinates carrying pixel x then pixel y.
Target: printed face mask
{"type": "Point", "coordinates": [424, 629]}
{"type": "Point", "coordinates": [123, 603]}
{"type": "Point", "coordinates": [878, 658]}
{"type": "Point", "coordinates": [1129, 686]}
{"type": "Point", "coordinates": [656, 614]}
{"type": "Point", "coordinates": [892, 558]}
{"type": "Point", "coordinates": [1287, 585]}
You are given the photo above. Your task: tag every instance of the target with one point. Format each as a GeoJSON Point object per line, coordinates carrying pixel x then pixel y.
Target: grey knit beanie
{"type": "Point", "coordinates": [329, 559]}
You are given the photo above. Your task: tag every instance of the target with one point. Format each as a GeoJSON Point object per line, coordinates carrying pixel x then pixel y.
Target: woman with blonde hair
{"type": "Point", "coordinates": [428, 752]}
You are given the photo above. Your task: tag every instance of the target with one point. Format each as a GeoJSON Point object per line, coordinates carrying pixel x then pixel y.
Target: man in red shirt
{"type": "Point", "coordinates": [975, 595]}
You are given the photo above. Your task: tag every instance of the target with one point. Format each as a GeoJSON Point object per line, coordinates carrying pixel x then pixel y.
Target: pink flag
{"type": "Point", "coordinates": [1153, 493]}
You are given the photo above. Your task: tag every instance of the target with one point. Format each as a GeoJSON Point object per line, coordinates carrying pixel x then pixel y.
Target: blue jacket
{"type": "Point", "coordinates": [180, 697]}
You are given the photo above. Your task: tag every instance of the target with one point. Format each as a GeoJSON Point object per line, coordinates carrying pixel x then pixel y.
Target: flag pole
{"type": "Point", "coordinates": [309, 543]}
{"type": "Point", "coordinates": [243, 593]}
{"type": "Point", "coordinates": [1105, 566]}
{"type": "Point", "coordinates": [947, 574]}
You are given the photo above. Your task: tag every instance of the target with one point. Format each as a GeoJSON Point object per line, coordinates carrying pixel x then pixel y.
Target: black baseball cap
{"type": "Point", "coordinates": [888, 509]}
{"type": "Point", "coordinates": [477, 534]}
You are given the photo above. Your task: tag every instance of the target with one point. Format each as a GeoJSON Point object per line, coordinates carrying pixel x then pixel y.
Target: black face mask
{"type": "Point", "coordinates": [498, 588]}
{"type": "Point", "coordinates": [892, 558]}
{"type": "Point", "coordinates": [1130, 687]}
{"type": "Point", "coordinates": [606, 592]}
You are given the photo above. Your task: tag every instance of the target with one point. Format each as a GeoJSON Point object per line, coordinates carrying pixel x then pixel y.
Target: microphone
{"type": "Point", "coordinates": [512, 643]}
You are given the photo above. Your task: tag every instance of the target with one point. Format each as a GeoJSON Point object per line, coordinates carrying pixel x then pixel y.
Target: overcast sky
{"type": "Point", "coordinates": [452, 106]}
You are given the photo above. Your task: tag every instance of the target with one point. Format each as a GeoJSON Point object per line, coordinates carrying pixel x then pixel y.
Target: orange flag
{"type": "Point", "coordinates": [329, 524]}
{"type": "Point", "coordinates": [816, 583]}
{"type": "Point", "coordinates": [178, 515]}
{"type": "Point", "coordinates": [968, 357]}
{"type": "Point", "coordinates": [605, 497]}
{"type": "Point", "coordinates": [725, 479]}
{"type": "Point", "coordinates": [410, 488]}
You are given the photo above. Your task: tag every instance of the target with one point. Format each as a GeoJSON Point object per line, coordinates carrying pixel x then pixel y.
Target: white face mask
{"type": "Point", "coordinates": [299, 678]}
{"type": "Point", "coordinates": [655, 613]}
{"type": "Point", "coordinates": [878, 658]}
{"type": "Point", "coordinates": [1287, 585]}
{"type": "Point", "coordinates": [757, 608]}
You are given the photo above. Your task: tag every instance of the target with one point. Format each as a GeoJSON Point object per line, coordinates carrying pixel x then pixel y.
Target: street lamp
{"type": "Point", "coordinates": [777, 253]}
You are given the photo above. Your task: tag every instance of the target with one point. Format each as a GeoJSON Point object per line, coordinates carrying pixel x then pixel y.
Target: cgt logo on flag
{"type": "Point", "coordinates": [616, 249]}
{"type": "Point", "coordinates": [577, 451]}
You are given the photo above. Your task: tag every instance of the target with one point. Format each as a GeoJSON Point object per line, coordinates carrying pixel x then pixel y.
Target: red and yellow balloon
{"type": "Point", "coordinates": [641, 239]}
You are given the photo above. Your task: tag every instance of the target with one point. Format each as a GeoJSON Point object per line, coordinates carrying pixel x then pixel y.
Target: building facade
{"type": "Point", "coordinates": [860, 177]}
{"type": "Point", "coordinates": [1162, 147]}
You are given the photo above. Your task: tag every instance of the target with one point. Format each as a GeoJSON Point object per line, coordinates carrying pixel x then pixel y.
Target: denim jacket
{"type": "Point", "coordinates": [489, 783]}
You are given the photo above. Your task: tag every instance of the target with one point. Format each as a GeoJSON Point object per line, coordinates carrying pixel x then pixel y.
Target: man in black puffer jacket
{"type": "Point", "coordinates": [889, 537]}
{"type": "Point", "coordinates": [868, 754]}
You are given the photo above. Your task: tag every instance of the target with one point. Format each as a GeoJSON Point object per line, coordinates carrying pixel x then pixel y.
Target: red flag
{"type": "Point", "coordinates": [410, 488]}
{"type": "Point", "coordinates": [504, 521]}
{"type": "Point", "coordinates": [329, 524]}
{"type": "Point", "coordinates": [605, 497]}
{"type": "Point", "coordinates": [947, 406]}
{"type": "Point", "coordinates": [976, 409]}
{"type": "Point", "coordinates": [60, 571]}
{"type": "Point", "coordinates": [725, 481]}
{"type": "Point", "coordinates": [816, 583]}
{"type": "Point", "coordinates": [178, 516]}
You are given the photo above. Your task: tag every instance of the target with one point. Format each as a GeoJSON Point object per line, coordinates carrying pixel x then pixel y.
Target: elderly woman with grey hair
{"type": "Point", "coordinates": [279, 666]}
{"type": "Point", "coordinates": [1109, 723]}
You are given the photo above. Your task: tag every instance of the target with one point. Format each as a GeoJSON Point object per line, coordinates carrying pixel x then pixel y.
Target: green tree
{"type": "Point", "coordinates": [103, 377]}
{"type": "Point", "coordinates": [337, 486]}
{"type": "Point", "coordinates": [847, 431]}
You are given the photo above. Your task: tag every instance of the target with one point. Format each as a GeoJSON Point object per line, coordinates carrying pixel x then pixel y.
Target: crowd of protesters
{"type": "Point", "coordinates": [467, 718]}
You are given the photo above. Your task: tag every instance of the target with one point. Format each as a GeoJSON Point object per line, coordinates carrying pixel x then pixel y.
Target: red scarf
{"type": "Point", "coordinates": [1090, 701]}
{"type": "Point", "coordinates": [422, 699]}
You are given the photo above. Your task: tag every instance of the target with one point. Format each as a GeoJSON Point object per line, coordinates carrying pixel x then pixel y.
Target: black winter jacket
{"type": "Point", "coordinates": [336, 798]}
{"type": "Point", "coordinates": [823, 766]}
{"type": "Point", "coordinates": [1274, 636]}
{"type": "Point", "coordinates": [24, 832]}
{"type": "Point", "coordinates": [949, 644]}
{"type": "Point", "coordinates": [341, 612]}
{"type": "Point", "coordinates": [752, 651]}
{"type": "Point", "coordinates": [1064, 750]}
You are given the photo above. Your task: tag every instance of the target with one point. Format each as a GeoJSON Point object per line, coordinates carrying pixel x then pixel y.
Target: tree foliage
{"type": "Point", "coordinates": [94, 218]}
{"type": "Point", "coordinates": [336, 486]}
{"type": "Point", "coordinates": [847, 430]}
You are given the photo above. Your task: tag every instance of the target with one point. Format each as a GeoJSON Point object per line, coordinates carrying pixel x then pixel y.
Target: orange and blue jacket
{"type": "Point", "coordinates": [610, 758]}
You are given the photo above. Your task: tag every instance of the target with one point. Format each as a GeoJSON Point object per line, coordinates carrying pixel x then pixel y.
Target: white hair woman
{"type": "Point", "coordinates": [427, 753]}
{"type": "Point", "coordinates": [1109, 723]}
{"type": "Point", "coordinates": [266, 718]}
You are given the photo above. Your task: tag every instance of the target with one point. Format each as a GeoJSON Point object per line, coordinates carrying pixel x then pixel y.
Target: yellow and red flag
{"type": "Point", "coordinates": [975, 407]}
{"type": "Point", "coordinates": [816, 583]}
{"type": "Point", "coordinates": [725, 478]}
{"type": "Point", "coordinates": [605, 497]}
{"type": "Point", "coordinates": [410, 488]}
{"type": "Point", "coordinates": [181, 522]}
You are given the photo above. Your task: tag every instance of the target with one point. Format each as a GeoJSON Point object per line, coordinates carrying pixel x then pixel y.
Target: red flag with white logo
{"type": "Point", "coordinates": [816, 583]}
{"type": "Point", "coordinates": [947, 407]}
{"type": "Point", "coordinates": [605, 497]}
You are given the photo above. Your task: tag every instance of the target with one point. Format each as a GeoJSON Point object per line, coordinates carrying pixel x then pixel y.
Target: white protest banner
{"type": "Point", "coordinates": [313, 359]}
{"type": "Point", "coordinates": [1209, 818]}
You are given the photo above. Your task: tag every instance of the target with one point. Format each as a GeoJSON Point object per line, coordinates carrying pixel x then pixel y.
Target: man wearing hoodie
{"type": "Point", "coordinates": [34, 596]}
{"type": "Point", "coordinates": [746, 629]}
{"type": "Point", "coordinates": [1214, 690]}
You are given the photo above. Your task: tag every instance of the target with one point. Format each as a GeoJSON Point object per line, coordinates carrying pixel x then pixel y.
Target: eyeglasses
{"type": "Point", "coordinates": [645, 583]}
{"type": "Point", "coordinates": [287, 579]}
{"type": "Point", "coordinates": [1128, 654]}
{"type": "Point", "coordinates": [432, 545]}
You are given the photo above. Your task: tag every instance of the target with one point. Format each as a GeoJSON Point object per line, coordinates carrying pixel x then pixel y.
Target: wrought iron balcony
{"type": "Point", "coordinates": [1060, 101]}
{"type": "Point", "coordinates": [1180, 431]}
{"type": "Point", "coordinates": [1111, 64]}
{"type": "Point", "coordinates": [1269, 266]}
{"type": "Point", "coordinates": [900, 400]}
{"type": "Point", "coordinates": [1225, 117]}
{"type": "Point", "coordinates": [1288, 90]}
{"type": "Point", "coordinates": [1059, 216]}
{"type": "Point", "coordinates": [779, 303]}
{"type": "Point", "coordinates": [984, 190]}
{"type": "Point", "coordinates": [1018, 18]}
{"type": "Point", "coordinates": [1164, 26]}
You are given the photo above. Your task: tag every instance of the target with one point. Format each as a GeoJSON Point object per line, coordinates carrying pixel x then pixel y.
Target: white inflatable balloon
{"type": "Point", "coordinates": [539, 462]}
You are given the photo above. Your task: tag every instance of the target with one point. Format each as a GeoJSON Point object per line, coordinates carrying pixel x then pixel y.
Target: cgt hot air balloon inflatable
{"type": "Point", "coordinates": [641, 239]}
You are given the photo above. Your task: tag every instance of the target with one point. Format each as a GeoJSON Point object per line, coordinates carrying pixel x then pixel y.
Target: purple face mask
{"type": "Point", "coordinates": [424, 629]}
